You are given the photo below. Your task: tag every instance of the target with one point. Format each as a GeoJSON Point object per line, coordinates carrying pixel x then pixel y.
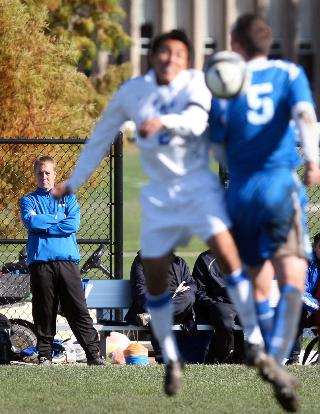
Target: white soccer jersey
{"type": "Point", "coordinates": [176, 151]}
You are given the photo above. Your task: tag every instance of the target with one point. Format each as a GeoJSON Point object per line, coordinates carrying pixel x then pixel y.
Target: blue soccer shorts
{"type": "Point", "coordinates": [268, 213]}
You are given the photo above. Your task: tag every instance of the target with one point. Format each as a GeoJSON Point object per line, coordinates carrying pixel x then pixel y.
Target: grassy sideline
{"type": "Point", "coordinates": [134, 389]}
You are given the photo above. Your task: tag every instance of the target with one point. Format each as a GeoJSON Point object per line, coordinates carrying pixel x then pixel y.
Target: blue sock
{"type": "Point", "coordinates": [286, 321]}
{"type": "Point", "coordinates": [241, 294]}
{"type": "Point", "coordinates": [265, 318]}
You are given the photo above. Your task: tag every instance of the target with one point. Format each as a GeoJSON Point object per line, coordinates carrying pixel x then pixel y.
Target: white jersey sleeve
{"type": "Point", "coordinates": [101, 139]}
{"type": "Point", "coordinates": [306, 122]}
{"type": "Point", "coordinates": [177, 150]}
{"type": "Point", "coordinates": [192, 120]}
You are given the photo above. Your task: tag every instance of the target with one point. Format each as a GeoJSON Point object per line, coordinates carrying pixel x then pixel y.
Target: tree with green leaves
{"type": "Point", "coordinates": [92, 25]}
{"type": "Point", "coordinates": [42, 94]}
{"type": "Point", "coordinates": [44, 42]}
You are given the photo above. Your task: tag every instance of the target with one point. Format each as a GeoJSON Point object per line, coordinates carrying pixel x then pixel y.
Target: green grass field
{"type": "Point", "coordinates": [210, 389]}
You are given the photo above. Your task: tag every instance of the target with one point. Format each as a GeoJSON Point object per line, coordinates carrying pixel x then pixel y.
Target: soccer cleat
{"type": "Point", "coordinates": [284, 384]}
{"type": "Point", "coordinates": [173, 377]}
{"type": "Point", "coordinates": [44, 361]}
{"type": "Point", "coordinates": [253, 353]}
{"type": "Point", "coordinates": [97, 362]}
{"type": "Point", "coordinates": [292, 361]}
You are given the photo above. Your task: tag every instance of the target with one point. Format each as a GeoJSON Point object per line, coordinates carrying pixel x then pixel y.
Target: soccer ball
{"type": "Point", "coordinates": [226, 74]}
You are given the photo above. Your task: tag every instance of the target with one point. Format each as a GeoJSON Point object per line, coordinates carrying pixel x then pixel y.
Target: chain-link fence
{"type": "Point", "coordinates": [314, 211]}
{"type": "Point", "coordinates": [100, 201]}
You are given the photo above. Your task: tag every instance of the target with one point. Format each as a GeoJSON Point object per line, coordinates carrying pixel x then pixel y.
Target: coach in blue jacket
{"type": "Point", "coordinates": [53, 258]}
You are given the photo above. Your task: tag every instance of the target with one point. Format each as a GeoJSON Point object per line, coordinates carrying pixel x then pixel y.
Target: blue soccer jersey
{"type": "Point", "coordinates": [255, 127]}
{"type": "Point", "coordinates": [264, 197]}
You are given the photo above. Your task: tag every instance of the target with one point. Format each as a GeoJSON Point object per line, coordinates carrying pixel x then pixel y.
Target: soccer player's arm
{"type": "Point", "coordinates": [217, 132]}
{"type": "Point", "coordinates": [306, 121]}
{"type": "Point", "coordinates": [99, 143]}
{"type": "Point", "coordinates": [193, 119]}
{"type": "Point", "coordinates": [71, 222]}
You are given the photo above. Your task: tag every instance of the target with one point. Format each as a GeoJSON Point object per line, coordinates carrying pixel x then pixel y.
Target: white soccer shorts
{"type": "Point", "coordinates": [172, 214]}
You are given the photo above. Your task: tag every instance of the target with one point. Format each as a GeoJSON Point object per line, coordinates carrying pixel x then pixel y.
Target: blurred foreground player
{"type": "Point", "coordinates": [266, 199]}
{"type": "Point", "coordinates": [169, 106]}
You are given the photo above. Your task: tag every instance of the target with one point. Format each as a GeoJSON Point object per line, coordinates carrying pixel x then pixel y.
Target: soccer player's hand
{"type": "Point", "coordinates": [311, 174]}
{"type": "Point", "coordinates": [60, 190]}
{"type": "Point", "coordinates": [150, 127]}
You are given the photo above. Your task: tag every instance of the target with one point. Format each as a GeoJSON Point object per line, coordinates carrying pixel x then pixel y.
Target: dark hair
{"type": "Point", "coordinates": [42, 160]}
{"type": "Point", "coordinates": [253, 34]}
{"type": "Point", "coordinates": [316, 239]}
{"type": "Point", "coordinates": [175, 34]}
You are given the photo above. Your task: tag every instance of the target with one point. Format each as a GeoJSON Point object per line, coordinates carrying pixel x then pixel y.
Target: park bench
{"type": "Point", "coordinates": [110, 299]}
{"type": "Point", "coordinates": [104, 295]}
{"type": "Point", "coordinates": [107, 297]}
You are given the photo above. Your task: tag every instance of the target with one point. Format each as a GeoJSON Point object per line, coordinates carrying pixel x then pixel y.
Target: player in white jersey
{"type": "Point", "coordinates": [266, 200]}
{"type": "Point", "coordinates": [170, 106]}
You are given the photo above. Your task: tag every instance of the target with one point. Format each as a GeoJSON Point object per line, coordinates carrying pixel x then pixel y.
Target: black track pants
{"type": "Point", "coordinates": [51, 282]}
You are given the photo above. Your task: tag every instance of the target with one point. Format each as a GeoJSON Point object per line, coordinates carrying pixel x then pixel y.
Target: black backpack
{"type": "Point", "coordinates": [5, 343]}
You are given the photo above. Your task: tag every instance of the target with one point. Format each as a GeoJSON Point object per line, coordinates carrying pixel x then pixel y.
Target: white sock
{"type": "Point", "coordinates": [241, 293]}
{"type": "Point", "coordinates": [161, 311]}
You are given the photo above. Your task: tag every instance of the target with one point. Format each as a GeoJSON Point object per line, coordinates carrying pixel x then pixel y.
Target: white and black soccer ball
{"type": "Point", "coordinates": [226, 74]}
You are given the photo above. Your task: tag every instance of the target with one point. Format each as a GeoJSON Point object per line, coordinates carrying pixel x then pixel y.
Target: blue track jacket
{"type": "Point", "coordinates": [52, 225]}
{"type": "Point", "coordinates": [311, 304]}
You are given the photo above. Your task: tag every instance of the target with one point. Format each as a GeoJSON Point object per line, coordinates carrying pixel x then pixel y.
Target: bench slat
{"type": "Point", "coordinates": [115, 294]}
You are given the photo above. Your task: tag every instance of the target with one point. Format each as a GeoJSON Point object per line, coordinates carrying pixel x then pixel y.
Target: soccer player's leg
{"type": "Point", "coordinates": [159, 304]}
{"type": "Point", "coordinates": [265, 315]}
{"type": "Point", "coordinates": [292, 270]}
{"type": "Point", "coordinates": [283, 240]}
{"type": "Point", "coordinates": [241, 205]}
{"type": "Point", "coordinates": [289, 261]}
{"type": "Point", "coordinates": [159, 235]}
{"type": "Point", "coordinates": [269, 367]}
{"type": "Point", "coordinates": [262, 277]}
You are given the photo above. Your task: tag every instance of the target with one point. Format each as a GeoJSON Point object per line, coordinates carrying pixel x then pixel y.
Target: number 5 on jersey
{"type": "Point", "coordinates": [261, 107]}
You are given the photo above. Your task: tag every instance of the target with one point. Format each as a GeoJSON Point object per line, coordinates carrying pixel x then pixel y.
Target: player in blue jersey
{"type": "Point", "coordinates": [266, 200]}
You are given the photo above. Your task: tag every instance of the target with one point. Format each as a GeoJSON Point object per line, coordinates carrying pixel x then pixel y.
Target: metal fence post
{"type": "Point", "coordinates": [118, 207]}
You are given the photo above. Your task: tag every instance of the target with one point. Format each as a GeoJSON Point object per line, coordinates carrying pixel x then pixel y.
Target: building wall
{"type": "Point", "coordinates": [294, 23]}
